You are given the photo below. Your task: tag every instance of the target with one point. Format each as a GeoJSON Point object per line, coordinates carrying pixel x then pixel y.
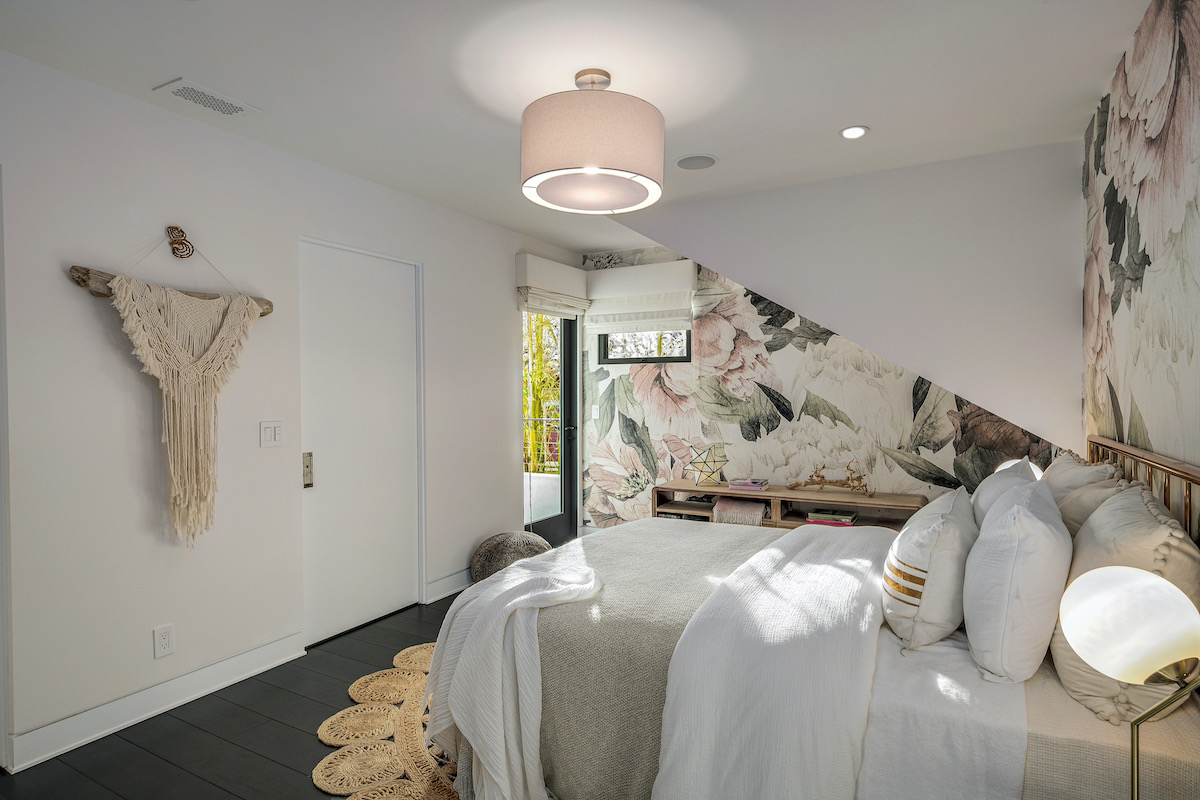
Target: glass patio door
{"type": "Point", "coordinates": [551, 479]}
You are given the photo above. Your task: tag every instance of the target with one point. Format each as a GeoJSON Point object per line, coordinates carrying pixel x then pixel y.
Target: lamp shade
{"type": "Point", "coordinates": [1129, 623]}
{"type": "Point", "coordinates": [592, 151]}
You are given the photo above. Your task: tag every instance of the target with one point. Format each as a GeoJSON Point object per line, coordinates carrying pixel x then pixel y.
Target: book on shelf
{"type": "Point", "coordinates": [833, 515]}
{"type": "Point", "coordinates": [749, 484]}
{"type": "Point", "coordinates": [829, 522]}
{"type": "Point", "coordinates": [692, 517]}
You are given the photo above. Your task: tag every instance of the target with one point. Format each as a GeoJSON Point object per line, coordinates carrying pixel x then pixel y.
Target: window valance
{"type": "Point", "coordinates": [646, 297]}
{"type": "Point", "coordinates": [547, 287]}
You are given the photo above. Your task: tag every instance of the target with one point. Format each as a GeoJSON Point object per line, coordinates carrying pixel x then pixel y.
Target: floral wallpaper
{"type": "Point", "coordinates": [785, 396]}
{"type": "Point", "coordinates": [1141, 296]}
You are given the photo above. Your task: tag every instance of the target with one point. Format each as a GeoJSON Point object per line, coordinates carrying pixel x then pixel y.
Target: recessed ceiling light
{"type": "Point", "coordinates": [855, 132]}
{"type": "Point", "coordinates": [697, 161]}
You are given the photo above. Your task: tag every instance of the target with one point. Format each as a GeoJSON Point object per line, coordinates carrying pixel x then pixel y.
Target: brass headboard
{"type": "Point", "coordinates": [1160, 473]}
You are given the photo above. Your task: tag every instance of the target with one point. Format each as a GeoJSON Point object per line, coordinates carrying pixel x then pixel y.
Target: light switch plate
{"type": "Point", "coordinates": [270, 433]}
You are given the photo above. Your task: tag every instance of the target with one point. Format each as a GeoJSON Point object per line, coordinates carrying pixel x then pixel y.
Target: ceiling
{"type": "Point", "coordinates": [426, 96]}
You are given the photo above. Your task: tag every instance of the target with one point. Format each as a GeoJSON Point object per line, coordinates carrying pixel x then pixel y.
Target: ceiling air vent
{"type": "Point", "coordinates": [194, 93]}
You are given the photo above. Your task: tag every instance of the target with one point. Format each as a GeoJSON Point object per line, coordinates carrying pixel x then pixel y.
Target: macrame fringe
{"type": "Point", "coordinates": [192, 351]}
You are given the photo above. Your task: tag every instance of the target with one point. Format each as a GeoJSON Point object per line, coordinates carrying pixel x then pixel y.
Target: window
{"type": "Point", "coordinates": [645, 347]}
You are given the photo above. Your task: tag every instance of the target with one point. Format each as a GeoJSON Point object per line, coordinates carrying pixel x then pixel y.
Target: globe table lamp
{"type": "Point", "coordinates": [1135, 627]}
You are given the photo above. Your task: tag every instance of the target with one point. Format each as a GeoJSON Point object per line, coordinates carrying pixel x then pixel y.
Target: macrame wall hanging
{"type": "Point", "coordinates": [189, 341]}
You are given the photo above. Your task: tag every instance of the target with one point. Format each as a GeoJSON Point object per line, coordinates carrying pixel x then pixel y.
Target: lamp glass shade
{"type": "Point", "coordinates": [592, 151]}
{"type": "Point", "coordinates": [1012, 462]}
{"type": "Point", "coordinates": [1129, 623]}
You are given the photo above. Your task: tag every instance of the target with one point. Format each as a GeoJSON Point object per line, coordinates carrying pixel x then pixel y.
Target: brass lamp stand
{"type": "Point", "coordinates": [1175, 673]}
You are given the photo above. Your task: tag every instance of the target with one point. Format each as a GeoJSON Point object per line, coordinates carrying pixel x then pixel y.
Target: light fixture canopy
{"type": "Point", "coordinates": [591, 151]}
{"type": "Point", "coordinates": [854, 132]}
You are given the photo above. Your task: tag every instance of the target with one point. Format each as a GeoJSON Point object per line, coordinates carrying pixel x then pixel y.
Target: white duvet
{"type": "Point", "coordinates": [741, 717]}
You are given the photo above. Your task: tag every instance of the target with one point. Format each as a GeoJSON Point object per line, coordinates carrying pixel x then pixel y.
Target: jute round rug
{"type": "Point", "coordinates": [383, 754]}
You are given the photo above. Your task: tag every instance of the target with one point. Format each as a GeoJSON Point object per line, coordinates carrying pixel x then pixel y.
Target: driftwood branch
{"type": "Point", "coordinates": [96, 282]}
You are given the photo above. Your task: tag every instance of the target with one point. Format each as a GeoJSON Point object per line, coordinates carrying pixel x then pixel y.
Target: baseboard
{"type": "Point", "coordinates": [444, 587]}
{"type": "Point", "coordinates": [48, 741]}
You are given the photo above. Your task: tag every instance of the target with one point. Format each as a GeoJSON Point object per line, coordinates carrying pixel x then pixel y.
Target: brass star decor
{"type": "Point", "coordinates": [708, 463]}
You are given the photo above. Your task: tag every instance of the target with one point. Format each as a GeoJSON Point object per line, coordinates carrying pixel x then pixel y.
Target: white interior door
{"type": "Point", "coordinates": [359, 359]}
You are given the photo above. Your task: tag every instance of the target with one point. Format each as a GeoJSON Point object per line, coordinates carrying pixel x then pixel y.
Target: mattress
{"type": "Point", "coordinates": [604, 667]}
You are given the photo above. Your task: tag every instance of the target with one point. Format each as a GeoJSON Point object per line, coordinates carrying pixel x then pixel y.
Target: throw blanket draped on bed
{"type": "Point", "coordinates": [485, 679]}
{"type": "Point", "coordinates": [804, 610]}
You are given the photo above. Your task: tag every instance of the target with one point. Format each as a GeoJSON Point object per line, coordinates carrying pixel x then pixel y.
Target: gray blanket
{"type": "Point", "coordinates": [604, 660]}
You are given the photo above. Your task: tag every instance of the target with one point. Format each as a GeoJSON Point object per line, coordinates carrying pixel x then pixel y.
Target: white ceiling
{"type": "Point", "coordinates": [426, 95]}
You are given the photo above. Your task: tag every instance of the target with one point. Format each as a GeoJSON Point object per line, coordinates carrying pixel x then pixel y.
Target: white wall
{"type": "Point", "coordinates": [968, 272]}
{"type": "Point", "coordinates": [91, 177]}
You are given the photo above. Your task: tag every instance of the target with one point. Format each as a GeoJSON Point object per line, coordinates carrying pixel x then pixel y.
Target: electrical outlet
{"type": "Point", "coordinates": [164, 640]}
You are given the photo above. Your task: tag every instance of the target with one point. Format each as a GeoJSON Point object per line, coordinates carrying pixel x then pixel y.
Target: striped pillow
{"type": "Point", "coordinates": [923, 576]}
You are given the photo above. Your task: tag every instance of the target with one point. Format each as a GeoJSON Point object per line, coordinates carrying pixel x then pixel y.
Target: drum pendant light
{"type": "Point", "coordinates": [592, 151]}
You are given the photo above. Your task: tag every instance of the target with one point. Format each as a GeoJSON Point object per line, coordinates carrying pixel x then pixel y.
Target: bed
{"type": "Point", "coordinates": [604, 661]}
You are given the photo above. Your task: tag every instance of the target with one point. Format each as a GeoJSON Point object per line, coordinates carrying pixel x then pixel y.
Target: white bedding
{"type": "Point", "coordinates": [485, 679]}
{"type": "Point", "coordinates": [936, 726]}
{"type": "Point", "coordinates": [769, 686]}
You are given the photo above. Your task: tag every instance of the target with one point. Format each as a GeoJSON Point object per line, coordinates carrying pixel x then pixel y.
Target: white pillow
{"type": "Point", "coordinates": [1130, 529]}
{"type": "Point", "coordinates": [1079, 504]}
{"type": "Point", "coordinates": [1068, 472]}
{"type": "Point", "coordinates": [1015, 577]}
{"type": "Point", "coordinates": [923, 577]}
{"type": "Point", "coordinates": [991, 488]}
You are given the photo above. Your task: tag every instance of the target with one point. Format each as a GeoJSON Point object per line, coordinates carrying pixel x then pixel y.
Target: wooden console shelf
{"type": "Point", "coordinates": [788, 508]}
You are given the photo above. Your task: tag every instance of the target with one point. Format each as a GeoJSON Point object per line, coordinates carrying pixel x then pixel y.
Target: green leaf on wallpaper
{"type": "Point", "coordinates": [817, 407]}
{"type": "Point", "coordinates": [781, 403]}
{"type": "Point", "coordinates": [808, 332]}
{"type": "Point", "coordinates": [777, 316]}
{"type": "Point", "coordinates": [591, 380]}
{"type": "Point", "coordinates": [708, 296]}
{"type": "Point", "coordinates": [920, 391]}
{"type": "Point", "coordinates": [1101, 134]}
{"type": "Point", "coordinates": [627, 403]}
{"type": "Point", "coordinates": [608, 411]}
{"type": "Point", "coordinates": [1117, 419]}
{"type": "Point", "coordinates": [777, 338]}
{"type": "Point", "coordinates": [1138, 436]}
{"type": "Point", "coordinates": [636, 436]}
{"type": "Point", "coordinates": [976, 463]}
{"type": "Point", "coordinates": [587, 493]}
{"type": "Point", "coordinates": [755, 416]}
{"type": "Point", "coordinates": [932, 428]}
{"type": "Point", "coordinates": [921, 468]}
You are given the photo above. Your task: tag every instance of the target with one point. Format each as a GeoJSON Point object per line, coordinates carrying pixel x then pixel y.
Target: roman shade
{"type": "Point", "coordinates": [646, 297]}
{"type": "Point", "coordinates": [547, 287]}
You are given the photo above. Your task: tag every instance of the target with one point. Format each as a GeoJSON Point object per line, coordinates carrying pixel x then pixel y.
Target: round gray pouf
{"type": "Point", "coordinates": [498, 551]}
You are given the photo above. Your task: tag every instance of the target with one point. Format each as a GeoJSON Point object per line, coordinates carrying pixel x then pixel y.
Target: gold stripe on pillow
{"type": "Point", "coordinates": [908, 567]}
{"type": "Point", "coordinates": [902, 589]}
{"type": "Point", "coordinates": [894, 596]}
{"type": "Point", "coordinates": [902, 575]}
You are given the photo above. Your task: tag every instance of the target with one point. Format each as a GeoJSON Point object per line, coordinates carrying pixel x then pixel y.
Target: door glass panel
{"type": "Point", "coordinates": [543, 403]}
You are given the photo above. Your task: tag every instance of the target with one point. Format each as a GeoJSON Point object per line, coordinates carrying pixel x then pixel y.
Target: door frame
{"type": "Point", "coordinates": [569, 466]}
{"type": "Point", "coordinates": [419, 328]}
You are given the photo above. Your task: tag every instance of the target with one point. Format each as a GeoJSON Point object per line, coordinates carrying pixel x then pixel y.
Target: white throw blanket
{"type": "Point", "coordinates": [770, 683]}
{"type": "Point", "coordinates": [937, 726]}
{"type": "Point", "coordinates": [485, 680]}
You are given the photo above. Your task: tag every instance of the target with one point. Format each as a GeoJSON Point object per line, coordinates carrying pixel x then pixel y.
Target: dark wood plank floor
{"type": "Point", "coordinates": [255, 740]}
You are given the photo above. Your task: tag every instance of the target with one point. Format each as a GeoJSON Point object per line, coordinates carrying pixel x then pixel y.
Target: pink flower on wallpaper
{"type": "Point", "coordinates": [978, 426]}
{"type": "Point", "coordinates": [675, 453]}
{"type": "Point", "coordinates": [618, 473]}
{"type": "Point", "coordinates": [1098, 342]}
{"type": "Point", "coordinates": [728, 342]}
{"type": "Point", "coordinates": [1153, 150]}
{"type": "Point", "coordinates": [664, 389]}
